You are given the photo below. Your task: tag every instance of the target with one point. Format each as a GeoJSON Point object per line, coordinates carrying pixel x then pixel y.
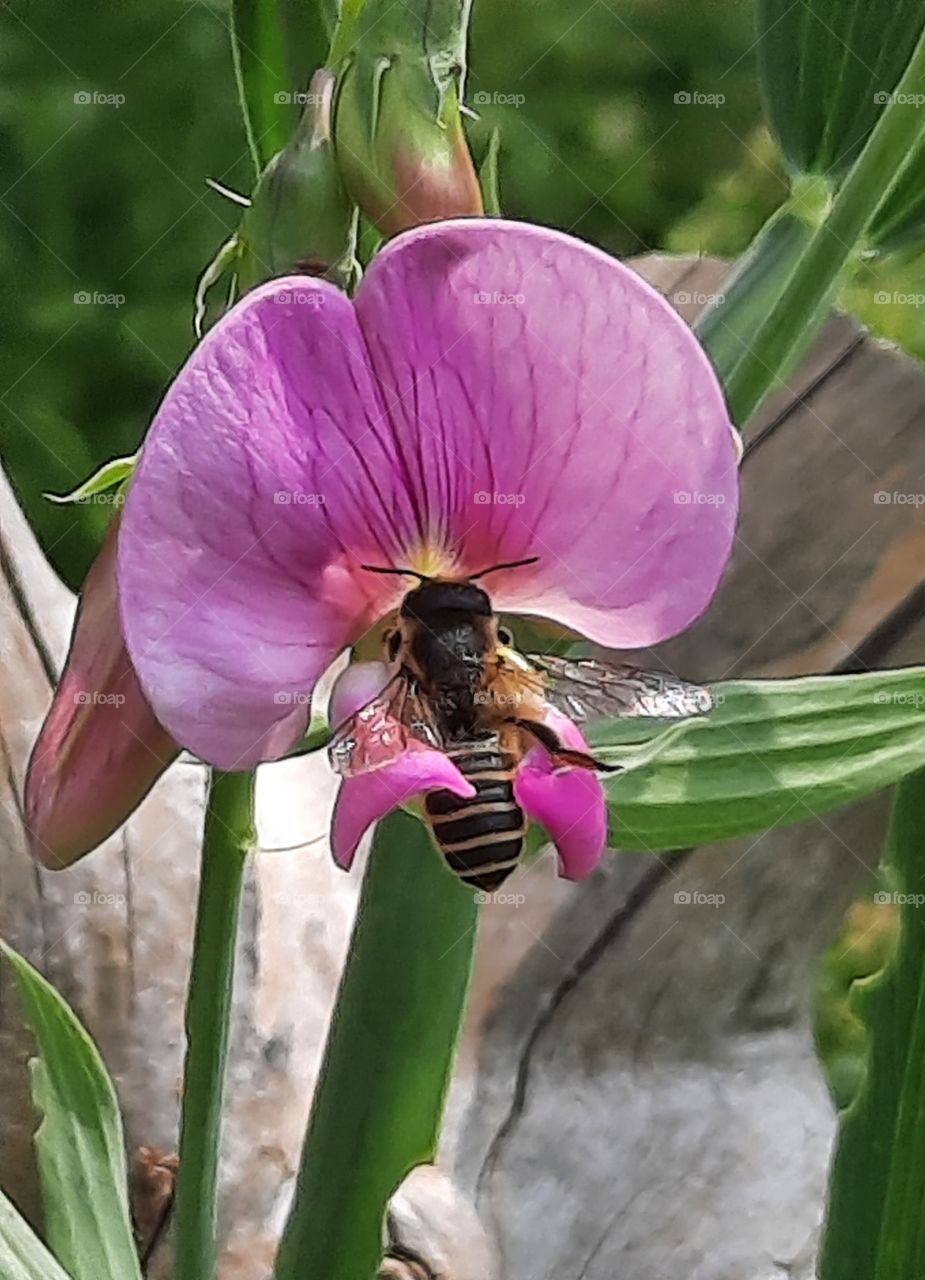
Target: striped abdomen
{"type": "Point", "coordinates": [481, 838]}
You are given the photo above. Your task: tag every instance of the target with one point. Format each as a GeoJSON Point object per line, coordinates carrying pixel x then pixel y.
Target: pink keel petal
{"type": "Point", "coordinates": [569, 803]}
{"type": "Point", "coordinates": [100, 749]}
{"type": "Point", "coordinates": [364, 799]}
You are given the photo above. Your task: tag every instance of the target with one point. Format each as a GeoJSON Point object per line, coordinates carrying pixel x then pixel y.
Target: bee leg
{"type": "Point", "coordinates": [563, 756]}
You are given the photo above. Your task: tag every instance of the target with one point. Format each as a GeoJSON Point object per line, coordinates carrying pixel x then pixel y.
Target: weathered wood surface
{"type": "Point", "coordinates": [637, 1094]}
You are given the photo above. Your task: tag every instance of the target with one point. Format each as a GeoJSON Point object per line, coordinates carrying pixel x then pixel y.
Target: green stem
{"type": "Point", "coordinates": [803, 287]}
{"type": "Point", "coordinates": [228, 838]}
{"type": "Point", "coordinates": [379, 1100]}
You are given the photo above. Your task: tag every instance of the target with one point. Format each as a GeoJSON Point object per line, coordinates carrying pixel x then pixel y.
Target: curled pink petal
{"type": "Point", "coordinates": [496, 391]}
{"type": "Point", "coordinates": [568, 803]}
{"type": "Point", "coordinates": [100, 749]}
{"type": "Point", "coordinates": [364, 799]}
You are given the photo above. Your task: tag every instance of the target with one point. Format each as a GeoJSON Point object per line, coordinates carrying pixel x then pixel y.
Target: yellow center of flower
{"type": "Point", "coordinates": [431, 558]}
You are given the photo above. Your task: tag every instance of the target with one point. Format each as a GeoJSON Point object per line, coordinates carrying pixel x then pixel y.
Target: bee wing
{"type": "Point", "coordinates": [586, 689]}
{"type": "Point", "coordinates": [382, 730]}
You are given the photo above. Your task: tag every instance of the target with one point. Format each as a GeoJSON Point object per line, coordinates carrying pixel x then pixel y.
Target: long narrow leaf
{"type": "Point", "coordinates": [827, 71]}
{"type": "Point", "coordinates": [79, 1144]}
{"type": "Point", "coordinates": [379, 1101]}
{"type": "Point", "coordinates": [22, 1254]}
{"type": "Point", "coordinates": [874, 1226]}
{"type": "Point", "coordinates": [772, 753]}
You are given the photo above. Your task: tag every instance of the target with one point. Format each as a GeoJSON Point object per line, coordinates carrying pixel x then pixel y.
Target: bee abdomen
{"type": "Point", "coordinates": [482, 837]}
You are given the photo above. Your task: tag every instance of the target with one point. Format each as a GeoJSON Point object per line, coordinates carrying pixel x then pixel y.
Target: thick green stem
{"type": "Point", "coordinates": [799, 288]}
{"type": "Point", "coordinates": [379, 1100]}
{"type": "Point", "coordinates": [228, 838]}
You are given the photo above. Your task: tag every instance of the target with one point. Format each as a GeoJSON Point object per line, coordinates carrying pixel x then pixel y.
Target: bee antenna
{"type": "Point", "coordinates": [410, 573]}
{"type": "Point", "coordinates": [511, 564]}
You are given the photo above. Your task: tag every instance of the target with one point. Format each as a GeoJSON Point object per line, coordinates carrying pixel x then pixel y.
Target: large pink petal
{"type": "Point", "coordinates": [569, 803]}
{"type": "Point", "coordinates": [548, 402]}
{"type": "Point", "coordinates": [248, 517]}
{"type": "Point", "coordinates": [100, 749]}
{"type": "Point", "coordinates": [366, 798]}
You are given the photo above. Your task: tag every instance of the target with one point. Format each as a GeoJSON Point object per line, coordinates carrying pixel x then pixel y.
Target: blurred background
{"type": "Point", "coordinates": [635, 124]}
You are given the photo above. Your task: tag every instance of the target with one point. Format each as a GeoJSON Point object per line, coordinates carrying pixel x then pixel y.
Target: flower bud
{"type": "Point", "coordinates": [301, 219]}
{"type": "Point", "coordinates": [398, 131]}
{"type": "Point", "coordinates": [100, 749]}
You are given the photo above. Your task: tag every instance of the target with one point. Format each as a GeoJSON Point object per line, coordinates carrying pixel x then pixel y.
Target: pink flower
{"type": "Point", "coordinates": [495, 391]}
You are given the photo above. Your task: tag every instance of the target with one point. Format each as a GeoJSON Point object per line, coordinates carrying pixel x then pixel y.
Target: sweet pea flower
{"type": "Point", "coordinates": [494, 392]}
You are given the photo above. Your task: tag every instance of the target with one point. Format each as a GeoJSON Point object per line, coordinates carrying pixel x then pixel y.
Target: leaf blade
{"type": "Point", "coordinates": [873, 1225]}
{"type": "Point", "coordinates": [774, 752]}
{"type": "Point", "coordinates": [79, 1143]}
{"type": "Point", "coordinates": [22, 1254]}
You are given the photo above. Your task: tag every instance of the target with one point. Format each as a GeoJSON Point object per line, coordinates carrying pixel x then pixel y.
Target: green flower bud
{"type": "Point", "coordinates": [301, 219]}
{"type": "Point", "coordinates": [398, 132]}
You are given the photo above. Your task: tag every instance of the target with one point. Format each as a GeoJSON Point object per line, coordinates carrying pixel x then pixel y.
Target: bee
{"type": "Point", "coordinates": [459, 687]}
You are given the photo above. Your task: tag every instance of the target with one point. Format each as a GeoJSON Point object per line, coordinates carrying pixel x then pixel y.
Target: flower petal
{"type": "Point", "coordinates": [548, 402]}
{"type": "Point", "coordinates": [100, 749]}
{"type": "Point", "coordinates": [247, 521]}
{"type": "Point", "coordinates": [363, 799]}
{"type": "Point", "coordinates": [568, 803]}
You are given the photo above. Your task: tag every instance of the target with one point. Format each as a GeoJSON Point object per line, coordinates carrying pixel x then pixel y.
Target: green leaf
{"type": "Point", "coordinates": [22, 1254]}
{"type": "Point", "coordinates": [806, 281]}
{"type": "Point", "coordinates": [110, 474]}
{"type": "Point", "coordinates": [276, 45]}
{"type": "Point", "coordinates": [379, 1101]}
{"type": "Point", "coordinates": [79, 1143]}
{"type": "Point", "coordinates": [828, 69]}
{"type": "Point", "coordinates": [773, 752]}
{"type": "Point", "coordinates": [877, 1184]}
